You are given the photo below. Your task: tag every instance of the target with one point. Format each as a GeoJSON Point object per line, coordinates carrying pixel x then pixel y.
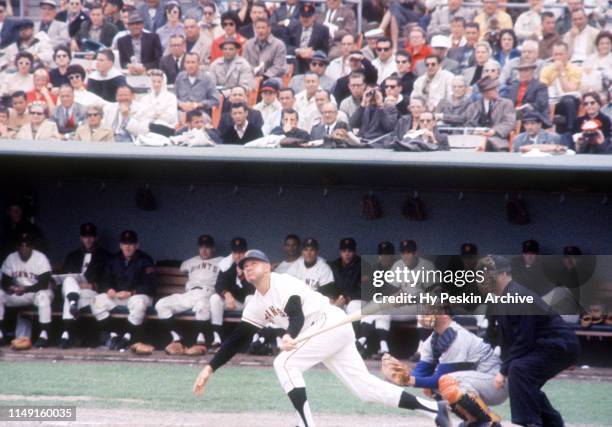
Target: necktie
{"type": "Point", "coordinates": [326, 130]}
{"type": "Point", "coordinates": [290, 11]}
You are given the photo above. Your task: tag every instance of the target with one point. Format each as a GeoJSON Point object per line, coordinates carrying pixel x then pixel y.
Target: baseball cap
{"type": "Point", "coordinates": [135, 18]}
{"type": "Point", "coordinates": [51, 3]}
{"type": "Point", "coordinates": [26, 238]}
{"type": "Point", "coordinates": [531, 247]}
{"type": "Point", "coordinates": [386, 248]}
{"type": "Point", "coordinates": [469, 249]}
{"type": "Point", "coordinates": [498, 263]}
{"type": "Point", "coordinates": [269, 86]}
{"type": "Point", "coordinates": [254, 254]}
{"type": "Point", "coordinates": [238, 244]}
{"type": "Point", "coordinates": [408, 246]}
{"type": "Point", "coordinates": [572, 251]}
{"type": "Point", "coordinates": [348, 243]}
{"type": "Point", "coordinates": [319, 55]}
{"type": "Point", "coordinates": [440, 41]}
{"type": "Point", "coordinates": [206, 240]}
{"type": "Point", "coordinates": [88, 230]}
{"type": "Point", "coordinates": [310, 243]}
{"type": "Point", "coordinates": [307, 9]}
{"type": "Point", "coordinates": [129, 237]}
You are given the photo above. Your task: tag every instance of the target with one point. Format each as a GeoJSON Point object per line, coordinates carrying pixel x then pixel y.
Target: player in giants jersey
{"type": "Point", "coordinates": [203, 270]}
{"type": "Point", "coordinates": [312, 269]}
{"type": "Point", "coordinates": [25, 281]}
{"type": "Point", "coordinates": [287, 302]}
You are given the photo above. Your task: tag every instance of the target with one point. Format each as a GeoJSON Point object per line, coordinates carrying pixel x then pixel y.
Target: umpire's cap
{"type": "Point", "coordinates": [88, 230]}
{"type": "Point", "coordinates": [386, 248]}
{"type": "Point", "coordinates": [206, 240]}
{"type": "Point", "coordinates": [238, 244]}
{"type": "Point", "coordinates": [129, 237]}
{"type": "Point", "coordinates": [254, 254]}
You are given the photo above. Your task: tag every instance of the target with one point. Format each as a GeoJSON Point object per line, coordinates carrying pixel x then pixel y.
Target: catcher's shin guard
{"type": "Point", "coordinates": [468, 406]}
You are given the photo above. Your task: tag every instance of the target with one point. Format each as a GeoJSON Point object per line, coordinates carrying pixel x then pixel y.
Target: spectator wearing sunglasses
{"type": "Point", "coordinates": [385, 61]}
{"type": "Point", "coordinates": [40, 127]}
{"type": "Point", "coordinates": [318, 65]}
{"type": "Point", "coordinates": [436, 84]}
{"type": "Point", "coordinates": [229, 24]}
{"type": "Point", "coordinates": [591, 104]}
{"type": "Point", "coordinates": [92, 130]}
{"type": "Point", "coordinates": [76, 77]}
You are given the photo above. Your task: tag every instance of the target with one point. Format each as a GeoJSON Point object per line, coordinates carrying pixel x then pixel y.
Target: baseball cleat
{"type": "Point", "coordinates": [443, 417]}
{"type": "Point", "coordinates": [41, 342]}
{"type": "Point", "coordinates": [64, 343]}
{"type": "Point", "coordinates": [112, 343]}
{"type": "Point", "coordinates": [123, 343]}
{"type": "Point", "coordinates": [215, 347]}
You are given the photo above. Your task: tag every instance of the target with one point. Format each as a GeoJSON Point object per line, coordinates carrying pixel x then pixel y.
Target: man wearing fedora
{"type": "Point", "coordinates": [139, 51]}
{"type": "Point", "coordinates": [535, 137]}
{"type": "Point", "coordinates": [56, 30]}
{"type": "Point", "coordinates": [231, 69]}
{"type": "Point", "coordinates": [494, 113]}
{"type": "Point", "coordinates": [528, 93]}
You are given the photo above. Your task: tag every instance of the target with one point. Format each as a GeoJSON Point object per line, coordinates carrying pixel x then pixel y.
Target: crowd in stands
{"type": "Point", "coordinates": [299, 74]}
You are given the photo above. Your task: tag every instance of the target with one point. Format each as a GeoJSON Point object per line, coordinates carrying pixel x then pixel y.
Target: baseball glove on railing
{"type": "Point", "coordinates": [21, 343]}
{"type": "Point", "coordinates": [395, 371]}
{"type": "Point", "coordinates": [142, 349]}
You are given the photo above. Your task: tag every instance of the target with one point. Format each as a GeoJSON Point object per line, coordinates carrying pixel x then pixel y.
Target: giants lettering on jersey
{"type": "Point", "coordinates": [273, 312]}
{"type": "Point", "coordinates": [204, 266]}
{"type": "Point", "coordinates": [314, 284]}
{"type": "Point", "coordinates": [24, 274]}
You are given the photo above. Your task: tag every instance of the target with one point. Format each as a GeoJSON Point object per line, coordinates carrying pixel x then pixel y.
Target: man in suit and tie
{"type": "Point", "coordinates": [174, 62]}
{"type": "Point", "coordinates": [527, 93]}
{"type": "Point", "coordinates": [340, 21]}
{"type": "Point", "coordinates": [8, 27]}
{"type": "Point", "coordinates": [306, 37]}
{"type": "Point", "coordinates": [238, 95]}
{"type": "Point", "coordinates": [96, 29]}
{"type": "Point", "coordinates": [242, 131]}
{"type": "Point", "coordinates": [152, 11]}
{"type": "Point", "coordinates": [139, 51]}
{"type": "Point", "coordinates": [56, 30]}
{"type": "Point", "coordinates": [68, 114]}
{"type": "Point", "coordinates": [535, 137]}
{"type": "Point", "coordinates": [74, 16]}
{"type": "Point", "coordinates": [329, 122]}
{"type": "Point", "coordinates": [494, 113]}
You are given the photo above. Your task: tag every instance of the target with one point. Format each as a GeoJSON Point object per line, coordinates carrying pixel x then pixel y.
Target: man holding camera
{"type": "Point", "coordinates": [374, 118]}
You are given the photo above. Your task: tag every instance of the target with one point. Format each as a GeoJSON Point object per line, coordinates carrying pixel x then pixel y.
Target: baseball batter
{"type": "Point", "coordinates": [290, 304]}
{"type": "Point", "coordinates": [203, 270]}
{"type": "Point", "coordinates": [461, 367]}
{"type": "Point", "coordinates": [25, 281]}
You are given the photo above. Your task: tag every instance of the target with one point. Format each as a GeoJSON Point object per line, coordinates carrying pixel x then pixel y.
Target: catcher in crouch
{"type": "Point", "coordinates": [289, 303]}
{"type": "Point", "coordinates": [456, 364]}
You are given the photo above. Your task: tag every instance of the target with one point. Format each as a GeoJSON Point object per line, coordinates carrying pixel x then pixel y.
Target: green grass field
{"type": "Point", "coordinates": [167, 387]}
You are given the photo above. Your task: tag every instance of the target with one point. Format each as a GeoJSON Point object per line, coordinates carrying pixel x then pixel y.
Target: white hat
{"type": "Point", "coordinates": [51, 3]}
{"type": "Point", "coordinates": [440, 41]}
{"type": "Point", "coordinates": [374, 34]}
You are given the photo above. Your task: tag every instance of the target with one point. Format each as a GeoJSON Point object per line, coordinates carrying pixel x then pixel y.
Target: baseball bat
{"type": "Point", "coordinates": [353, 317]}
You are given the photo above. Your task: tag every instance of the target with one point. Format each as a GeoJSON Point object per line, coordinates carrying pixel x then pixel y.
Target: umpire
{"type": "Point", "coordinates": [536, 346]}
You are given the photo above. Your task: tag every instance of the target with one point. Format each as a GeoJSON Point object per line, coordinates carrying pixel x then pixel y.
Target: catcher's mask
{"type": "Point", "coordinates": [429, 314]}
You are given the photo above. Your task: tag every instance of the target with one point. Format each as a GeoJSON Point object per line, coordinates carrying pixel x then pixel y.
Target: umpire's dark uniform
{"type": "Point", "coordinates": [535, 347]}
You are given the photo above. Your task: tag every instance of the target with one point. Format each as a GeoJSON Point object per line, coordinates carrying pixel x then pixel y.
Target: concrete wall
{"type": "Point", "coordinates": [264, 217]}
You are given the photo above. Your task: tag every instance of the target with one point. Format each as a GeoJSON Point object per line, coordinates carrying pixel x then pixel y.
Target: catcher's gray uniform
{"type": "Point", "coordinates": [198, 289]}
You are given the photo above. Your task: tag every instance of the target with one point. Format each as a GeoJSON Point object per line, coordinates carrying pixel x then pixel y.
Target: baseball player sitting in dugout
{"type": "Point", "coordinates": [457, 365]}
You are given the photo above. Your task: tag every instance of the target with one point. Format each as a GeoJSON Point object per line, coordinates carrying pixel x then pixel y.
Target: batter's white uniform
{"type": "Point", "coordinates": [334, 348]}
{"type": "Point", "coordinates": [72, 284]}
{"type": "Point", "coordinates": [198, 289]}
{"type": "Point", "coordinates": [316, 276]}
{"type": "Point", "coordinates": [26, 274]}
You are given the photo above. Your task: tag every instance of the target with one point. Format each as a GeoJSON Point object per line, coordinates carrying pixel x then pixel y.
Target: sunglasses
{"type": "Point", "coordinates": [74, 77]}
{"type": "Point", "coordinates": [589, 103]}
{"type": "Point", "coordinates": [383, 49]}
{"type": "Point", "coordinates": [317, 64]}
{"type": "Point", "coordinates": [93, 114]}
{"type": "Point", "coordinates": [228, 24]}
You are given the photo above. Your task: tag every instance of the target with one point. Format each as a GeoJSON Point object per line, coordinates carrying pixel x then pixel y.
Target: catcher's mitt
{"type": "Point", "coordinates": [142, 349]}
{"type": "Point", "coordinates": [395, 371]}
{"type": "Point", "coordinates": [21, 343]}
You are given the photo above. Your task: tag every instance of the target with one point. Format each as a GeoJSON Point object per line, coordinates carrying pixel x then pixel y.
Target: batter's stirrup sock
{"type": "Point", "coordinates": [298, 399]}
{"type": "Point", "coordinates": [408, 401]}
{"type": "Point", "coordinates": [383, 338]}
{"type": "Point", "coordinates": [69, 326]}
